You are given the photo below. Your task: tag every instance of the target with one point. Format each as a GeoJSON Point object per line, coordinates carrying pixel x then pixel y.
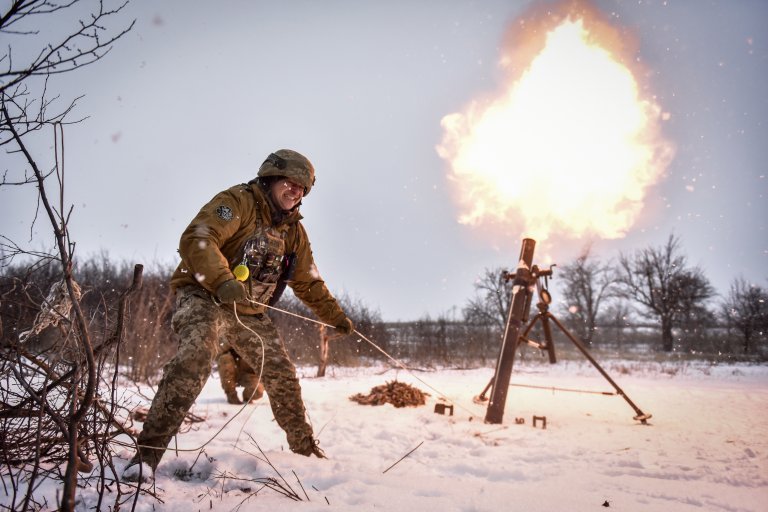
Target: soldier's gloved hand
{"type": "Point", "coordinates": [231, 291]}
{"type": "Point", "coordinates": [345, 327]}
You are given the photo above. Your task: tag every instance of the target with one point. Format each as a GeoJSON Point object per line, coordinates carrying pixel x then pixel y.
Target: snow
{"type": "Point", "coordinates": [704, 449]}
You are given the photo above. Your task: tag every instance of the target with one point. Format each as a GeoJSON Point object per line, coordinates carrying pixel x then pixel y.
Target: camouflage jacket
{"type": "Point", "coordinates": [214, 242]}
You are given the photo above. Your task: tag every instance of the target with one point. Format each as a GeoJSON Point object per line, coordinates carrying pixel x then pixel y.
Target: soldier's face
{"type": "Point", "coordinates": [286, 193]}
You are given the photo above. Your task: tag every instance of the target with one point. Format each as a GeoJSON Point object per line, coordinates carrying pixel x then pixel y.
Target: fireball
{"type": "Point", "coordinates": [570, 146]}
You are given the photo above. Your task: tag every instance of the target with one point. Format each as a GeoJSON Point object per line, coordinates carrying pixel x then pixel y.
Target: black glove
{"type": "Point", "coordinates": [231, 291]}
{"type": "Point", "coordinates": [344, 327]}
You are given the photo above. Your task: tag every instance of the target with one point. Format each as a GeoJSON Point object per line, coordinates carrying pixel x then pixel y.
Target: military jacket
{"type": "Point", "coordinates": [225, 229]}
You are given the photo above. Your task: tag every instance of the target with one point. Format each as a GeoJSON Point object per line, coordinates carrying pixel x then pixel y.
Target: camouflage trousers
{"type": "Point", "coordinates": [202, 327]}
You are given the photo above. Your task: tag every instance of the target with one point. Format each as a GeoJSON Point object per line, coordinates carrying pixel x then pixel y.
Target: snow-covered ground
{"type": "Point", "coordinates": [706, 447]}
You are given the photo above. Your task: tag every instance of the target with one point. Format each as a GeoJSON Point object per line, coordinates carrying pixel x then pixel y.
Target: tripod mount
{"type": "Point", "coordinates": [525, 280]}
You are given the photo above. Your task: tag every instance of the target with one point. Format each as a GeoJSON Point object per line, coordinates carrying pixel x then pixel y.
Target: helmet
{"type": "Point", "coordinates": [290, 164]}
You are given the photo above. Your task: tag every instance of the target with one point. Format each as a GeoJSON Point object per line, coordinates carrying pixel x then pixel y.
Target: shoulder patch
{"type": "Point", "coordinates": [224, 212]}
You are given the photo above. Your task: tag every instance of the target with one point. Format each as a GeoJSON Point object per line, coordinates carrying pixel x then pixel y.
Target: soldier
{"type": "Point", "coordinates": [241, 249]}
{"type": "Point", "coordinates": [233, 372]}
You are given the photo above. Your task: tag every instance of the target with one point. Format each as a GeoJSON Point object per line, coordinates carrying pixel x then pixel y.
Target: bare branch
{"type": "Point", "coordinates": [79, 48]}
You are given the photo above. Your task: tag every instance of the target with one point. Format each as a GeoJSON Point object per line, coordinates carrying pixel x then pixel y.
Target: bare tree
{"type": "Point", "coordinates": [660, 279]}
{"type": "Point", "coordinates": [587, 284]}
{"type": "Point", "coordinates": [491, 303]}
{"type": "Point", "coordinates": [38, 46]}
{"type": "Point", "coordinates": [746, 309]}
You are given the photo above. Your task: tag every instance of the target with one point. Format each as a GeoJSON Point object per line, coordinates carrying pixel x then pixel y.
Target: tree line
{"type": "Point", "coordinates": [650, 298]}
{"type": "Point", "coordinates": [653, 290]}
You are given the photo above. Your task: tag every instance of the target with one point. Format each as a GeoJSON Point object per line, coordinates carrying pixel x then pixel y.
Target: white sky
{"type": "Point", "coordinates": [192, 100]}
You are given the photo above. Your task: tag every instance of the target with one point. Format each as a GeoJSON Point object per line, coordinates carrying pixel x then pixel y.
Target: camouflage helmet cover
{"type": "Point", "coordinates": [290, 164]}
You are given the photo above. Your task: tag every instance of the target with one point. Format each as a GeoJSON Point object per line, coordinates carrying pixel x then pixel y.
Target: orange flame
{"type": "Point", "coordinates": [570, 147]}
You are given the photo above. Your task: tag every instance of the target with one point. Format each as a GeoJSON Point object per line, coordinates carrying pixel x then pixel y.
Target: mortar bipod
{"type": "Point", "coordinates": [545, 317]}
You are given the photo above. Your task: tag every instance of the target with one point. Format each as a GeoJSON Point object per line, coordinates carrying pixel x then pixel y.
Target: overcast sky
{"type": "Point", "coordinates": [194, 97]}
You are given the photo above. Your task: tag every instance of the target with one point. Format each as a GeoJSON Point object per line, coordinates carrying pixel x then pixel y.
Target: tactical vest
{"type": "Point", "coordinates": [268, 265]}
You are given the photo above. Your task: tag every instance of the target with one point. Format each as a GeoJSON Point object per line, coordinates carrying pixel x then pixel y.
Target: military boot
{"type": "Point", "coordinates": [249, 379]}
{"type": "Point", "coordinates": [137, 473]}
{"type": "Point", "coordinates": [232, 397]}
{"type": "Point", "coordinates": [141, 468]}
{"type": "Point", "coordinates": [309, 446]}
{"type": "Point", "coordinates": [228, 374]}
{"type": "Point", "coordinates": [251, 393]}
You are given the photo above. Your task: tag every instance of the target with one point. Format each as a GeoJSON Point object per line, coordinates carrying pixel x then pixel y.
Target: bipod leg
{"type": "Point", "coordinates": [549, 344]}
{"type": "Point", "coordinates": [528, 329]}
{"type": "Point", "coordinates": [548, 337]}
{"type": "Point", "coordinates": [640, 415]}
{"type": "Point", "coordinates": [481, 398]}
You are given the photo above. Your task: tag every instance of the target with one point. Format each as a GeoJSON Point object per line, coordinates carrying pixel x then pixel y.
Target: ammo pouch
{"type": "Point", "coordinates": [261, 292]}
{"type": "Point", "coordinates": [289, 265]}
